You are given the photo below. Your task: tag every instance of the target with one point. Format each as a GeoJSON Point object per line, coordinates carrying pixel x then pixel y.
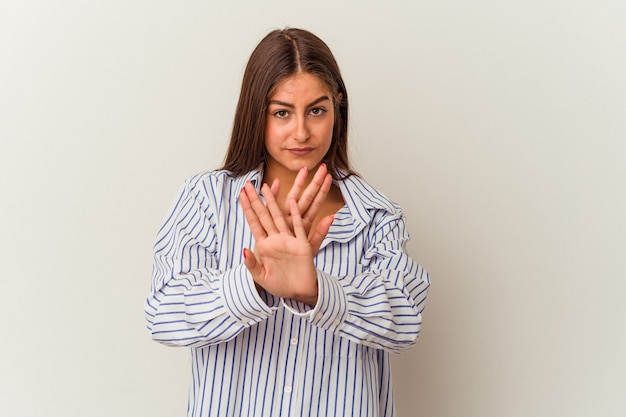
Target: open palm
{"type": "Point", "coordinates": [282, 261]}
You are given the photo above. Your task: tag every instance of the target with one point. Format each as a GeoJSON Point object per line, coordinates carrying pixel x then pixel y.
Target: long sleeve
{"type": "Point", "coordinates": [381, 306]}
{"type": "Point", "coordinates": [198, 298]}
{"type": "Point", "coordinates": [262, 355]}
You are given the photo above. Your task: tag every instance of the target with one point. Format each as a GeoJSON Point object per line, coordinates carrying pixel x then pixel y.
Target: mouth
{"type": "Point", "coordinates": [300, 151]}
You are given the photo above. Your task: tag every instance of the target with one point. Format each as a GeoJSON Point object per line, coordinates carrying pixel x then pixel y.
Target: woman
{"type": "Point", "coordinates": [284, 272]}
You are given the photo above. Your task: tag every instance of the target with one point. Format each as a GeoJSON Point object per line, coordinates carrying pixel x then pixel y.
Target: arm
{"type": "Point", "coordinates": [192, 302]}
{"type": "Point", "coordinates": [381, 306]}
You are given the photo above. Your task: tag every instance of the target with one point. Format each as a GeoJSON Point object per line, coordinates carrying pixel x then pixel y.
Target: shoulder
{"type": "Point", "coordinates": [368, 207]}
{"type": "Point", "coordinates": [358, 191]}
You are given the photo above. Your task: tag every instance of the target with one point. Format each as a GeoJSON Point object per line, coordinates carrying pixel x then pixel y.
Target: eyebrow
{"type": "Point", "coordinates": [291, 106]}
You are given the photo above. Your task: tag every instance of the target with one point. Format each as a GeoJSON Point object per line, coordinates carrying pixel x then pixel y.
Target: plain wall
{"type": "Point", "coordinates": [499, 126]}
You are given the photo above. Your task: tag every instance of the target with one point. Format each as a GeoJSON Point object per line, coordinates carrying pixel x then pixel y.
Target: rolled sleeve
{"type": "Point", "coordinates": [241, 299]}
{"type": "Point", "coordinates": [331, 309]}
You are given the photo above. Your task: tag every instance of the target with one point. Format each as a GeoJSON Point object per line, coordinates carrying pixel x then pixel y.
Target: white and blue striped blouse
{"type": "Point", "coordinates": [258, 355]}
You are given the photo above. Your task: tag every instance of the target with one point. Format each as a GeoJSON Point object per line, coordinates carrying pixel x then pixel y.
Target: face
{"type": "Point", "coordinates": [299, 125]}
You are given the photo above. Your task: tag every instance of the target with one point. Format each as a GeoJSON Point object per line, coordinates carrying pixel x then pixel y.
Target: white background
{"type": "Point", "coordinates": [499, 126]}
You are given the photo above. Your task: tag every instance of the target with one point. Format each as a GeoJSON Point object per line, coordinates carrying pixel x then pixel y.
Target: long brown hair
{"type": "Point", "coordinates": [280, 55]}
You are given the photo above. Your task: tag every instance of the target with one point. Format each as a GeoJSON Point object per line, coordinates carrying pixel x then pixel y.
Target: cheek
{"type": "Point", "coordinates": [275, 127]}
{"type": "Point", "coordinates": [328, 131]}
{"type": "Point", "coordinates": [272, 134]}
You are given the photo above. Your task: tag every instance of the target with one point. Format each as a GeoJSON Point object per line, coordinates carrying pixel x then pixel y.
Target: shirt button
{"type": "Point", "coordinates": [294, 341]}
{"type": "Point", "coordinates": [287, 390]}
{"type": "Point", "coordinates": [337, 322]}
{"type": "Point", "coordinates": [319, 316]}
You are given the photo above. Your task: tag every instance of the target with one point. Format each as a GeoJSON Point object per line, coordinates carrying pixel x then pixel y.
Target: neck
{"type": "Point", "coordinates": [285, 177]}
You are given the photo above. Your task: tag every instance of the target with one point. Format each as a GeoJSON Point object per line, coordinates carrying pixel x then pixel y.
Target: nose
{"type": "Point", "coordinates": [301, 132]}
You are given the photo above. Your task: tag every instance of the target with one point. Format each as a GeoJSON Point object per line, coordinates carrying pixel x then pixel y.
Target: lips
{"type": "Point", "coordinates": [301, 151]}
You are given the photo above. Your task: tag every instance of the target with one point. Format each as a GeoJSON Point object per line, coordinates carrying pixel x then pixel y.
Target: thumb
{"type": "Point", "coordinates": [250, 261]}
{"type": "Point", "coordinates": [320, 233]}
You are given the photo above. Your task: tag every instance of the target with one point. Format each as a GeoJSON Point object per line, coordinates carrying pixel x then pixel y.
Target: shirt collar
{"type": "Point", "coordinates": [361, 199]}
{"type": "Point", "coordinates": [255, 177]}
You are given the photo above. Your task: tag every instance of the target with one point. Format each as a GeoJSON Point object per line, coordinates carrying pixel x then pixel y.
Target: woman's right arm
{"type": "Point", "coordinates": [192, 302]}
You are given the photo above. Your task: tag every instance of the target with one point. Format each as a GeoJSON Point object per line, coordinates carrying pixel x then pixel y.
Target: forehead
{"type": "Point", "coordinates": [300, 84]}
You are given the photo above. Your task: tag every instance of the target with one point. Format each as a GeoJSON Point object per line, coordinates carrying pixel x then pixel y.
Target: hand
{"type": "Point", "coordinates": [282, 262]}
{"type": "Point", "coordinates": [310, 199]}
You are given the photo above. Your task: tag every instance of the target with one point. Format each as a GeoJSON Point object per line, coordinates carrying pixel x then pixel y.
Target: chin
{"type": "Point", "coordinates": [311, 166]}
{"type": "Point", "coordinates": [295, 165]}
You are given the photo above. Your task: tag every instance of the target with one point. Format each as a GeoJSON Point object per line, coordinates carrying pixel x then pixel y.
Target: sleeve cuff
{"type": "Point", "coordinates": [331, 309]}
{"type": "Point", "coordinates": [241, 299]}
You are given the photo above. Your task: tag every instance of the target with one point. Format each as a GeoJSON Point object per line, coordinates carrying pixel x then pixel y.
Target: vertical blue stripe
{"type": "Point", "coordinates": [242, 356]}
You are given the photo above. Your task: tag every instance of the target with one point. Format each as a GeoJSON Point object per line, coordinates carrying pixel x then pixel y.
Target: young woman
{"type": "Point", "coordinates": [284, 272]}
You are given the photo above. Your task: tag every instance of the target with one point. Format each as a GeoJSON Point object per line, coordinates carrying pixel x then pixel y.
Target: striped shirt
{"type": "Point", "coordinates": [254, 354]}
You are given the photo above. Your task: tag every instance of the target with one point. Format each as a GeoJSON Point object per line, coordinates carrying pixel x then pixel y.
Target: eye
{"type": "Point", "coordinates": [318, 111]}
{"type": "Point", "coordinates": [281, 114]}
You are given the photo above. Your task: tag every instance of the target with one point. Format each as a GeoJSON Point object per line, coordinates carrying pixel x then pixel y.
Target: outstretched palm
{"type": "Point", "coordinates": [282, 262]}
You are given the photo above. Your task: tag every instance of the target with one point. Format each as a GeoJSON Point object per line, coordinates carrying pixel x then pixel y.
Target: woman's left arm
{"type": "Point", "coordinates": [382, 306]}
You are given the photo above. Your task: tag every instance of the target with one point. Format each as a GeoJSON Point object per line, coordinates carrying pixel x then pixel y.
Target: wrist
{"type": "Point", "coordinates": [308, 295]}
{"type": "Point", "coordinates": [308, 300]}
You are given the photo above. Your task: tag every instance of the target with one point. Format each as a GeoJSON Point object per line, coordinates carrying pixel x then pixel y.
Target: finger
{"type": "Point", "coordinates": [318, 201]}
{"type": "Point", "coordinates": [275, 187]}
{"type": "Point", "coordinates": [258, 231]}
{"type": "Point", "coordinates": [277, 215]}
{"type": "Point", "coordinates": [298, 227]}
{"type": "Point", "coordinates": [320, 232]}
{"type": "Point", "coordinates": [297, 187]}
{"type": "Point", "coordinates": [261, 211]}
{"type": "Point", "coordinates": [312, 189]}
{"type": "Point", "coordinates": [315, 193]}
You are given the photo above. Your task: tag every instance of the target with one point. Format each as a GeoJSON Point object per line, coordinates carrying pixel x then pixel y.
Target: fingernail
{"type": "Point", "coordinates": [245, 254]}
